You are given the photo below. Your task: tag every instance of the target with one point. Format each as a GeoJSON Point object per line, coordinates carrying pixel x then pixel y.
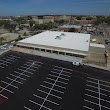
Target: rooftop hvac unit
{"type": "Point", "coordinates": [58, 37]}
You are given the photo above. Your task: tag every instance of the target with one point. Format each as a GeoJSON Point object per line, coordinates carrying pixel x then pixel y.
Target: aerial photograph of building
{"type": "Point", "coordinates": [55, 55]}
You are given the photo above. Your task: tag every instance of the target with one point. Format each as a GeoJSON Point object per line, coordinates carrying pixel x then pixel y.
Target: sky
{"type": "Point", "coordinates": [41, 7]}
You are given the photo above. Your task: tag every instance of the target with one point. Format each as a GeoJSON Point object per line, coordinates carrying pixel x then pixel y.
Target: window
{"type": "Point", "coordinates": [43, 50]}
{"type": "Point", "coordinates": [56, 52]}
{"type": "Point", "coordinates": [69, 54]}
{"type": "Point", "coordinates": [37, 49]}
{"type": "Point", "coordinates": [62, 53]}
{"type": "Point", "coordinates": [49, 51]}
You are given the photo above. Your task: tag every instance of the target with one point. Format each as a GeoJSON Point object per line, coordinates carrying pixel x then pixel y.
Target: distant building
{"type": "Point", "coordinates": [83, 20]}
{"type": "Point", "coordinates": [66, 28]}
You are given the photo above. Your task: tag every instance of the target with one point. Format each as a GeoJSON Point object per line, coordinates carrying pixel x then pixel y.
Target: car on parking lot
{"type": "Point", "coordinates": [107, 41]}
{"type": "Point", "coordinates": [76, 63]}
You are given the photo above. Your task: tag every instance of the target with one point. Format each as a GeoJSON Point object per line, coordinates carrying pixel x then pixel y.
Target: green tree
{"type": "Point", "coordinates": [31, 23]}
{"type": "Point", "coordinates": [2, 39]}
{"type": "Point", "coordinates": [78, 17]}
{"type": "Point", "coordinates": [24, 34]}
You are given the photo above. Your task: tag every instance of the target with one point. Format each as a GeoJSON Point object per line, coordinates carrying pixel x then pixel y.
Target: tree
{"type": "Point", "coordinates": [31, 23]}
{"type": "Point", "coordinates": [24, 34]}
{"type": "Point", "coordinates": [89, 18]}
{"type": "Point", "coordinates": [2, 39]}
{"type": "Point", "coordinates": [19, 38]}
{"type": "Point", "coordinates": [78, 17]}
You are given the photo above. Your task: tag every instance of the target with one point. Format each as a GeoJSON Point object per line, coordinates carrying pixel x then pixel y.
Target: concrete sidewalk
{"type": "Point", "coordinates": [99, 67]}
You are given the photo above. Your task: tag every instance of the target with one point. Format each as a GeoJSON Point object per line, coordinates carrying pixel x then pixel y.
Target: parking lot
{"type": "Point", "coordinates": [30, 82]}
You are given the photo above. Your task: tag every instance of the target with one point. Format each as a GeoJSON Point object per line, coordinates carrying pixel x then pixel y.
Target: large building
{"type": "Point", "coordinates": [56, 44]}
{"type": "Point", "coordinates": [67, 28]}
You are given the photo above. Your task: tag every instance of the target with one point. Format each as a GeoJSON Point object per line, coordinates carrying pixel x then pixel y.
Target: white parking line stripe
{"type": "Point", "coordinates": [91, 86]}
{"type": "Point", "coordinates": [47, 100]}
{"type": "Point", "coordinates": [92, 78]}
{"type": "Point", "coordinates": [54, 72]}
{"type": "Point", "coordinates": [105, 107]}
{"type": "Point", "coordinates": [52, 75]}
{"type": "Point", "coordinates": [91, 102]}
{"type": "Point", "coordinates": [48, 82]}
{"type": "Point", "coordinates": [50, 90]}
{"type": "Point", "coordinates": [25, 71]}
{"type": "Point", "coordinates": [99, 80]}
{"type": "Point", "coordinates": [32, 69]}
{"type": "Point", "coordinates": [62, 82]}
{"type": "Point", "coordinates": [29, 69]}
{"type": "Point", "coordinates": [22, 74]}
{"type": "Point", "coordinates": [105, 85]}
{"type": "Point", "coordinates": [58, 91]}
{"type": "Point", "coordinates": [60, 86]}
{"type": "Point", "coordinates": [9, 84]}
{"type": "Point", "coordinates": [26, 65]}
{"type": "Point", "coordinates": [8, 59]}
{"type": "Point", "coordinates": [57, 70]}
{"type": "Point", "coordinates": [104, 90]}
{"type": "Point", "coordinates": [92, 82]}
{"type": "Point", "coordinates": [64, 78]}
{"type": "Point", "coordinates": [67, 72]}
{"type": "Point", "coordinates": [52, 102]}
{"type": "Point", "coordinates": [3, 96]}
{"type": "Point", "coordinates": [88, 108]}
{"type": "Point", "coordinates": [56, 96]}
{"type": "Point", "coordinates": [105, 81]}
{"type": "Point", "coordinates": [105, 100]}
{"type": "Point", "coordinates": [38, 96]}
{"type": "Point", "coordinates": [97, 88]}
{"type": "Point", "coordinates": [99, 95]}
{"type": "Point", "coordinates": [3, 64]}
{"type": "Point", "coordinates": [18, 77]}
{"type": "Point", "coordinates": [40, 105]}
{"type": "Point", "coordinates": [14, 56]}
{"type": "Point", "coordinates": [36, 61]}
{"type": "Point", "coordinates": [1, 67]}
{"type": "Point", "coordinates": [65, 75]}
{"type": "Point", "coordinates": [15, 81]}
{"type": "Point", "coordinates": [63, 68]}
{"type": "Point", "coordinates": [50, 94]}
{"type": "Point", "coordinates": [23, 67]}
{"type": "Point", "coordinates": [7, 90]}
{"type": "Point", "coordinates": [35, 67]}
{"type": "Point", "coordinates": [91, 96]}
{"type": "Point", "coordinates": [27, 108]}
{"type": "Point", "coordinates": [95, 92]}
{"type": "Point", "coordinates": [45, 86]}
{"type": "Point", "coordinates": [50, 79]}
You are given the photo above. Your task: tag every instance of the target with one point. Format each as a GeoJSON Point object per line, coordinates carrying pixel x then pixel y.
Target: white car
{"type": "Point", "coordinates": [76, 63]}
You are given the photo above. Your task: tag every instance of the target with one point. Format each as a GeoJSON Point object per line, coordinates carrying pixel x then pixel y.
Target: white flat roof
{"type": "Point", "coordinates": [67, 40]}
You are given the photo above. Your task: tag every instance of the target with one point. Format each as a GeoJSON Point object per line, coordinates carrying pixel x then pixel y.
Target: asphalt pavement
{"type": "Point", "coordinates": [29, 82]}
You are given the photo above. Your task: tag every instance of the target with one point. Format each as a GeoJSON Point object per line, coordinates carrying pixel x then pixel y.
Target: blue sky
{"type": "Point", "coordinates": [39, 7]}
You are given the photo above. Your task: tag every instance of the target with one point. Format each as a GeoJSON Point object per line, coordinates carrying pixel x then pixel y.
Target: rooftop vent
{"type": "Point", "coordinates": [58, 37]}
{"type": "Point", "coordinates": [62, 34]}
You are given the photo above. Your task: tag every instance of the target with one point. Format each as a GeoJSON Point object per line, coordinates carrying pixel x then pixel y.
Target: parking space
{"type": "Point", "coordinates": [12, 82]}
{"type": "Point", "coordinates": [8, 60]}
{"type": "Point", "coordinates": [97, 94]}
{"type": "Point", "coordinates": [51, 91]}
